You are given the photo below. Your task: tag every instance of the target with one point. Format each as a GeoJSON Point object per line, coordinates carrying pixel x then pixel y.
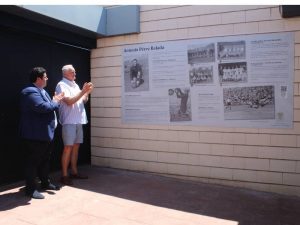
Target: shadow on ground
{"type": "Point", "coordinates": [245, 206]}
{"type": "Point", "coordinates": [13, 200]}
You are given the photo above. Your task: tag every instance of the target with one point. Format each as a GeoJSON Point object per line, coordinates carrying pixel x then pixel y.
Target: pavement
{"type": "Point", "coordinates": [120, 197]}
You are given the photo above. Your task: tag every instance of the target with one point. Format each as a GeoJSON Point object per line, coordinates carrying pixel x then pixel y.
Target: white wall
{"type": "Point", "coordinates": [261, 159]}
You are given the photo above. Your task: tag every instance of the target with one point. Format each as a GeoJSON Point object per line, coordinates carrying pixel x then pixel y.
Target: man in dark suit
{"type": "Point", "coordinates": [37, 124]}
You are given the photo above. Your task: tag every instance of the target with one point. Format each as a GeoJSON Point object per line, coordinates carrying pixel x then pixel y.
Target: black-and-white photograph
{"type": "Point", "coordinates": [231, 50]}
{"type": "Point", "coordinates": [249, 103]}
{"type": "Point", "coordinates": [233, 72]}
{"type": "Point", "coordinates": [136, 73]}
{"type": "Point", "coordinates": [180, 104]}
{"type": "Point", "coordinates": [201, 53]}
{"type": "Point", "coordinates": [200, 74]}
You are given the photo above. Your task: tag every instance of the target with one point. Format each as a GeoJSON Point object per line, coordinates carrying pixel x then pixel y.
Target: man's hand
{"type": "Point", "coordinates": [91, 87]}
{"type": "Point", "coordinates": [58, 97]}
{"type": "Point", "coordinates": [87, 87]}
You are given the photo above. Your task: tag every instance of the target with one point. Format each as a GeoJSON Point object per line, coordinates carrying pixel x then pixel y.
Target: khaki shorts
{"type": "Point", "coordinates": [72, 134]}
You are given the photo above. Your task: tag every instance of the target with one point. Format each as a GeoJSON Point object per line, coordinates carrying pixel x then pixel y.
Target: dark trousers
{"type": "Point", "coordinates": [36, 163]}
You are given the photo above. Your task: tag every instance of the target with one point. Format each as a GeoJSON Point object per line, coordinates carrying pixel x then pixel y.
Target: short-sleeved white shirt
{"type": "Point", "coordinates": [70, 114]}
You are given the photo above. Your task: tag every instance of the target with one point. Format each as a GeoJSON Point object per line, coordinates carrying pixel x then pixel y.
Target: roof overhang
{"type": "Point", "coordinates": [87, 21]}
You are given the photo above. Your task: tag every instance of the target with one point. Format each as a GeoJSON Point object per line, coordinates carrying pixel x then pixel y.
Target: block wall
{"type": "Point", "coordinates": [261, 159]}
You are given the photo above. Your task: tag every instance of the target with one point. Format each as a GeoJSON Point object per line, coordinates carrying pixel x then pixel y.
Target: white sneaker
{"type": "Point", "coordinates": [37, 195]}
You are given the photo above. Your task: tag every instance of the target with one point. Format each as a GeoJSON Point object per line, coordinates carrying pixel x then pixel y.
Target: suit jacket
{"type": "Point", "coordinates": [37, 120]}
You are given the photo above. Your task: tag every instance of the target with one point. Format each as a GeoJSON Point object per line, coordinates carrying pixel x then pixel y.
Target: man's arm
{"type": "Point", "coordinates": [86, 95]}
{"type": "Point", "coordinates": [37, 103]}
{"type": "Point", "coordinates": [87, 88]}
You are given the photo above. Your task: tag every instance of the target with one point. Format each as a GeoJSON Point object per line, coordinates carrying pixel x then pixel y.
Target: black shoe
{"type": "Point", "coordinates": [66, 180]}
{"type": "Point", "coordinates": [51, 186]}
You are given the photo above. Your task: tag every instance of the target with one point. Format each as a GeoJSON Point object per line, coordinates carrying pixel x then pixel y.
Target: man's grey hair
{"type": "Point", "coordinates": [67, 68]}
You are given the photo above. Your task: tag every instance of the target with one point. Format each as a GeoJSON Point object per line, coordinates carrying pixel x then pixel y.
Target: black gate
{"type": "Point", "coordinates": [19, 53]}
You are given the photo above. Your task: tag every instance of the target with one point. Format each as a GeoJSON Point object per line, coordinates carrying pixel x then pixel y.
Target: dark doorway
{"type": "Point", "coordinates": [19, 53]}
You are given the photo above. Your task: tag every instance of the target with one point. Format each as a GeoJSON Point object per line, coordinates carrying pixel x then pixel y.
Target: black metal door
{"type": "Point", "coordinates": [19, 53]}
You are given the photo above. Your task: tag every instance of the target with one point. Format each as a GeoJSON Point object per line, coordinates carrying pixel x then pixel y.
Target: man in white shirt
{"type": "Point", "coordinates": [71, 116]}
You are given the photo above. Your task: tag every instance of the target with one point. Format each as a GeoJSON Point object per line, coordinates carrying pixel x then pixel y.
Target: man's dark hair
{"type": "Point", "coordinates": [35, 73]}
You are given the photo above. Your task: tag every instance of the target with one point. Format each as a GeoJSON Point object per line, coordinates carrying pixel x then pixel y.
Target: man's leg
{"type": "Point", "coordinates": [31, 165]}
{"type": "Point", "coordinates": [33, 159]}
{"type": "Point", "coordinates": [74, 158]}
{"type": "Point", "coordinates": [74, 155]}
{"type": "Point", "coordinates": [68, 135]}
{"type": "Point", "coordinates": [43, 167]}
{"type": "Point", "coordinates": [65, 159]}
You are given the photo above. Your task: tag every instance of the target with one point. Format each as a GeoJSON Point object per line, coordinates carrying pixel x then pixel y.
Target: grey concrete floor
{"type": "Point", "coordinates": [119, 197]}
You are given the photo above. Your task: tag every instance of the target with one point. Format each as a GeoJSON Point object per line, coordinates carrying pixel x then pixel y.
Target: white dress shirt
{"type": "Point", "coordinates": [70, 114]}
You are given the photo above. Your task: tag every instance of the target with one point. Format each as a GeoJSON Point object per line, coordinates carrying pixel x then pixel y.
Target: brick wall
{"type": "Point", "coordinates": [261, 159]}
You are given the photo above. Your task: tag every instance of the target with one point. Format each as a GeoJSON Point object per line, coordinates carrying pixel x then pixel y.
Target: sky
{"type": "Point", "coordinates": [149, 2]}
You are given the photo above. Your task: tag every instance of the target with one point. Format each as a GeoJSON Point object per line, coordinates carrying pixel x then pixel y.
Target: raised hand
{"type": "Point", "coordinates": [91, 87]}
{"type": "Point", "coordinates": [58, 97]}
{"type": "Point", "coordinates": [87, 87]}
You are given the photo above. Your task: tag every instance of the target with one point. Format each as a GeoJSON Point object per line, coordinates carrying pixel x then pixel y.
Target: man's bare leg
{"type": "Point", "coordinates": [74, 158]}
{"type": "Point", "coordinates": [65, 160]}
